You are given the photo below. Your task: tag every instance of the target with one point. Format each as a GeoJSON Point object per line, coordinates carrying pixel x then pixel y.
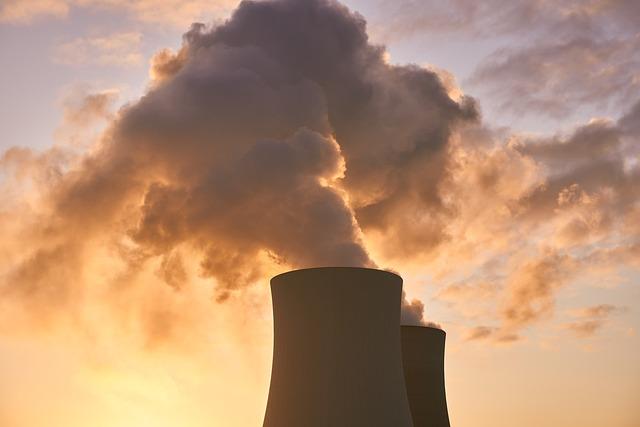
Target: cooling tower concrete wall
{"type": "Point", "coordinates": [423, 364]}
{"type": "Point", "coordinates": [337, 360]}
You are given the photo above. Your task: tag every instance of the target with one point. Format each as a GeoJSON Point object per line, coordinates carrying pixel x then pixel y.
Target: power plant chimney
{"type": "Point", "coordinates": [423, 364]}
{"type": "Point", "coordinates": [337, 359]}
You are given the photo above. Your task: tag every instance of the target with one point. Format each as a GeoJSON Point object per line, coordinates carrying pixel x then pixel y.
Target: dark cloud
{"type": "Point", "coordinates": [271, 198]}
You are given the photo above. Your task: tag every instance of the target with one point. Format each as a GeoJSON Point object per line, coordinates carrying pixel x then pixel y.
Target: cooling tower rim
{"type": "Point", "coordinates": [277, 277]}
{"type": "Point", "coordinates": [426, 328]}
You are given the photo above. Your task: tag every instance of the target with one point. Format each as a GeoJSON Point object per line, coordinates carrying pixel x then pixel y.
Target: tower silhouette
{"type": "Point", "coordinates": [423, 364]}
{"type": "Point", "coordinates": [337, 360]}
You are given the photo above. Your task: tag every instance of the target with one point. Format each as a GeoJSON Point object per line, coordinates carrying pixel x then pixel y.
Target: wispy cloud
{"type": "Point", "coordinates": [590, 320]}
{"type": "Point", "coordinates": [119, 49]}
{"type": "Point", "coordinates": [553, 58]}
{"type": "Point", "coordinates": [179, 13]}
{"type": "Point", "coordinates": [533, 214]}
{"type": "Point", "coordinates": [555, 77]}
{"type": "Point", "coordinates": [25, 11]}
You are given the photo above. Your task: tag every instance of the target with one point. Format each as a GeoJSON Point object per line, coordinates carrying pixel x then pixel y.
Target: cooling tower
{"type": "Point", "coordinates": [337, 360]}
{"type": "Point", "coordinates": [423, 363]}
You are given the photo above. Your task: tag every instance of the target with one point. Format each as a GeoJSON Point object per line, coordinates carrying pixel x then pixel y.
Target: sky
{"type": "Point", "coordinates": [161, 160]}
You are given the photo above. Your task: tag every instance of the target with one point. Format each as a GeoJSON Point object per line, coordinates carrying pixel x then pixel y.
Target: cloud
{"type": "Point", "coordinates": [165, 64]}
{"type": "Point", "coordinates": [600, 310]}
{"type": "Point", "coordinates": [179, 13]}
{"type": "Point", "coordinates": [529, 215]}
{"type": "Point", "coordinates": [409, 17]}
{"type": "Point", "coordinates": [582, 55]}
{"type": "Point", "coordinates": [464, 290]}
{"type": "Point", "coordinates": [556, 77]}
{"type": "Point", "coordinates": [531, 287]}
{"type": "Point", "coordinates": [590, 184]}
{"type": "Point", "coordinates": [473, 298]}
{"type": "Point", "coordinates": [591, 319]}
{"type": "Point", "coordinates": [554, 60]}
{"type": "Point", "coordinates": [412, 313]}
{"type": "Point", "coordinates": [25, 11]}
{"type": "Point", "coordinates": [480, 332]}
{"type": "Point", "coordinates": [82, 106]}
{"type": "Point", "coordinates": [491, 333]}
{"type": "Point", "coordinates": [119, 49]}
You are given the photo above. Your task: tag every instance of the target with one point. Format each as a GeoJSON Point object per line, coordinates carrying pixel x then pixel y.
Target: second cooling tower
{"type": "Point", "coordinates": [337, 360]}
{"type": "Point", "coordinates": [423, 363]}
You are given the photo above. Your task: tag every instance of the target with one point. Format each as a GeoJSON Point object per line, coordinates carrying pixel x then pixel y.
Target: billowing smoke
{"type": "Point", "coordinates": [277, 138]}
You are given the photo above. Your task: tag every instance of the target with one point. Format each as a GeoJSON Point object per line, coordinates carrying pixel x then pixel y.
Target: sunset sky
{"type": "Point", "coordinates": [160, 160]}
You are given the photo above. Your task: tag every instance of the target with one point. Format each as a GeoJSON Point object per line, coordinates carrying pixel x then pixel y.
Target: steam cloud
{"type": "Point", "coordinates": [281, 135]}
